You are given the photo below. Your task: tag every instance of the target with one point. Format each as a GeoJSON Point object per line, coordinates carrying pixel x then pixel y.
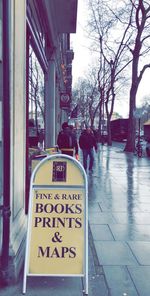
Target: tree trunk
{"type": "Point", "coordinates": [130, 145]}
{"type": "Point", "coordinates": [109, 141]}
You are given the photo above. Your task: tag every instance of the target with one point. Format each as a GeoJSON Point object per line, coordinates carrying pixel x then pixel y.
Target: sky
{"type": "Point", "coordinates": [80, 44]}
{"type": "Point", "coordinates": [83, 57]}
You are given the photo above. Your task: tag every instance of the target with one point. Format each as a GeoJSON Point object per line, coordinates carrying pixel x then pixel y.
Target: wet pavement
{"type": "Point", "coordinates": [119, 216]}
{"type": "Point", "coordinates": [119, 231]}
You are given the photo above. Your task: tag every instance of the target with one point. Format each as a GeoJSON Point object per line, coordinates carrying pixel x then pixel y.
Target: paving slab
{"type": "Point", "coordinates": [132, 217]}
{"type": "Point", "coordinates": [114, 253]}
{"type": "Point", "coordinates": [101, 232]}
{"type": "Point", "coordinates": [141, 251]}
{"type": "Point", "coordinates": [101, 218]}
{"type": "Point", "coordinates": [115, 206]}
{"type": "Point", "coordinates": [94, 208]}
{"type": "Point", "coordinates": [97, 283]}
{"type": "Point", "coordinates": [141, 278]}
{"type": "Point", "coordinates": [130, 232]}
{"type": "Point", "coordinates": [119, 281]}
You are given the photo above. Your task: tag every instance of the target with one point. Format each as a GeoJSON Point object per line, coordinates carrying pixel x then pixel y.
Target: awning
{"type": "Point", "coordinates": [63, 13]}
{"type": "Point", "coordinates": [66, 13]}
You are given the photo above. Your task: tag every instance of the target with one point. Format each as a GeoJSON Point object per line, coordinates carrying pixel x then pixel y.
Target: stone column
{"type": "Point", "coordinates": [50, 86]}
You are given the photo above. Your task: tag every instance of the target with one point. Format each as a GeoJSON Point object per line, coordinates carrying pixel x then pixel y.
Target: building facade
{"type": "Point", "coordinates": [35, 86]}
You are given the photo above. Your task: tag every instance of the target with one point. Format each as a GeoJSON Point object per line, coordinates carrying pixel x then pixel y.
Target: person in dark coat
{"type": "Point", "coordinates": [67, 141]}
{"type": "Point", "coordinates": [87, 142]}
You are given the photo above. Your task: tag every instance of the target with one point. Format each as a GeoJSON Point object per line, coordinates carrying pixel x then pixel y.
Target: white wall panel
{"type": "Point", "coordinates": [18, 105]}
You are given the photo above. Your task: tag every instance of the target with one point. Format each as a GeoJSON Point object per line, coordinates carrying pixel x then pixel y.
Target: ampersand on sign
{"type": "Point", "coordinates": [57, 238]}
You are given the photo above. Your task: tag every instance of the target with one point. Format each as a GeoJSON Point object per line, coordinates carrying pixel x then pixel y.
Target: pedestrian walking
{"type": "Point", "coordinates": [67, 141]}
{"type": "Point", "coordinates": [41, 139]}
{"type": "Point", "coordinates": [87, 143]}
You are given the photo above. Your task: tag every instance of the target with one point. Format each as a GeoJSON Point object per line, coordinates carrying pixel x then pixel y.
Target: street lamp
{"type": "Point", "coordinates": [139, 129]}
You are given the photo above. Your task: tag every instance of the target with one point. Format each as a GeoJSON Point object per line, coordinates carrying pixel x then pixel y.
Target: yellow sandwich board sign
{"type": "Point", "coordinates": [57, 226]}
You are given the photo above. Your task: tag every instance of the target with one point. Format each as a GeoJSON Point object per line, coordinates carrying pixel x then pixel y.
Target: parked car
{"type": "Point", "coordinates": [119, 129]}
{"type": "Point", "coordinates": [148, 148]}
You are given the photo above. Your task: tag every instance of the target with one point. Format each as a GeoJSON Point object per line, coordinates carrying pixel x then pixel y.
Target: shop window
{"type": "Point", "coordinates": [36, 102]}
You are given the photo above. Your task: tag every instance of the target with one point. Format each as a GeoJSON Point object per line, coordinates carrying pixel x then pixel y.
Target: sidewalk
{"type": "Point", "coordinates": [119, 215]}
{"type": "Point", "coordinates": [119, 232]}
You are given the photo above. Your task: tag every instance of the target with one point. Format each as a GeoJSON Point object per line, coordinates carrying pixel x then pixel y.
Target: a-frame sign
{"type": "Point", "coordinates": [57, 237]}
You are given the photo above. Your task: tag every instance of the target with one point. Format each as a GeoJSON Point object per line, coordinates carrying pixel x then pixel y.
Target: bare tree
{"type": "Point", "coordinates": [129, 20]}
{"type": "Point", "coordinates": [80, 98]}
{"type": "Point", "coordinates": [113, 58]}
{"type": "Point", "coordinates": [92, 94]}
{"type": "Point", "coordinates": [141, 47]}
{"type": "Point", "coordinates": [36, 88]}
{"type": "Point", "coordinates": [85, 94]}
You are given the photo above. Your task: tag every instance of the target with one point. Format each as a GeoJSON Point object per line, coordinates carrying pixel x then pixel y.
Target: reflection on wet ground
{"type": "Point", "coordinates": [119, 215]}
